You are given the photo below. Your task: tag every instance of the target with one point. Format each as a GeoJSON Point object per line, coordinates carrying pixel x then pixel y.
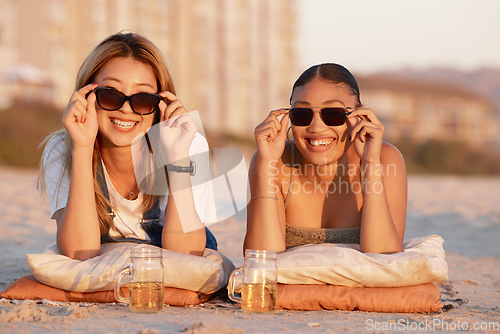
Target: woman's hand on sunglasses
{"type": "Point", "coordinates": [176, 134]}
{"type": "Point", "coordinates": [80, 118]}
{"type": "Point", "coordinates": [367, 133]}
{"type": "Point", "coordinates": [173, 108]}
{"type": "Point", "coordinates": [270, 135]}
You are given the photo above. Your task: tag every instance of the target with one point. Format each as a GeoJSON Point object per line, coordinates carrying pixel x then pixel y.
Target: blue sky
{"type": "Point", "coordinates": [374, 35]}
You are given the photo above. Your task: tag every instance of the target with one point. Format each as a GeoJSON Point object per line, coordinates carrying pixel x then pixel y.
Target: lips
{"type": "Point", "coordinates": [319, 144]}
{"type": "Point", "coordinates": [124, 125]}
{"type": "Point", "coordinates": [320, 141]}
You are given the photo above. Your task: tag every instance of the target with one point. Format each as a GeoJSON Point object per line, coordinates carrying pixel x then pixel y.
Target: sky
{"type": "Point", "coordinates": [368, 36]}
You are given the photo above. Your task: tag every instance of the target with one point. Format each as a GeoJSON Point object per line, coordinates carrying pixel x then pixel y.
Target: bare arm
{"type": "Point", "coordinates": [383, 176]}
{"type": "Point", "coordinates": [78, 233]}
{"type": "Point", "coordinates": [384, 203]}
{"type": "Point", "coordinates": [265, 215]}
{"type": "Point", "coordinates": [183, 230]}
{"type": "Point", "coordinates": [266, 210]}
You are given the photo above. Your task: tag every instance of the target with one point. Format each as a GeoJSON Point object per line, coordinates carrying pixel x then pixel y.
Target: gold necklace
{"type": "Point", "coordinates": [131, 194]}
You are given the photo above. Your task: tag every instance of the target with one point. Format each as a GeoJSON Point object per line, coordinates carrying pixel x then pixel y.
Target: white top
{"type": "Point", "coordinates": [128, 213]}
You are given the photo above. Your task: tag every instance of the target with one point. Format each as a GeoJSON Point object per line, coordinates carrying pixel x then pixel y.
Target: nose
{"type": "Point", "coordinates": [126, 108]}
{"type": "Point", "coordinates": [317, 123]}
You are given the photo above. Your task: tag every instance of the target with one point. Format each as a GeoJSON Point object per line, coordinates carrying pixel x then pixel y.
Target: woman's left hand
{"type": "Point", "coordinates": [367, 133]}
{"type": "Point", "coordinates": [177, 128]}
{"type": "Point", "coordinates": [176, 134]}
{"type": "Point", "coordinates": [171, 106]}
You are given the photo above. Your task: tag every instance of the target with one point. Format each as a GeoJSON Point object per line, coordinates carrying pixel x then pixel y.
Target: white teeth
{"type": "Point", "coordinates": [123, 124]}
{"type": "Point", "coordinates": [320, 142]}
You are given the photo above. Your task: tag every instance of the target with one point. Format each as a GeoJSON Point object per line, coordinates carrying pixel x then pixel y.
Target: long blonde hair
{"type": "Point", "coordinates": [126, 45]}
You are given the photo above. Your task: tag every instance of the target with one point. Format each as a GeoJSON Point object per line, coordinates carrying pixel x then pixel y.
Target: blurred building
{"type": "Point", "coordinates": [25, 83]}
{"type": "Point", "coordinates": [422, 110]}
{"type": "Point", "coordinates": [233, 60]}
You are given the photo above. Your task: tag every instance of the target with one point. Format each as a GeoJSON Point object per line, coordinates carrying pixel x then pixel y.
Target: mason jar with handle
{"type": "Point", "coordinates": [257, 279]}
{"type": "Point", "coordinates": [145, 273]}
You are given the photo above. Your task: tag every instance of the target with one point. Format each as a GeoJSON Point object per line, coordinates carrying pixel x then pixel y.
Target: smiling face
{"type": "Point", "coordinates": [118, 128]}
{"type": "Point", "coordinates": [321, 144]}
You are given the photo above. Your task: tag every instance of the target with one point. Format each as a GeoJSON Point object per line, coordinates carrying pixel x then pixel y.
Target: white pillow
{"type": "Point", "coordinates": [422, 261]}
{"type": "Point", "coordinates": [206, 274]}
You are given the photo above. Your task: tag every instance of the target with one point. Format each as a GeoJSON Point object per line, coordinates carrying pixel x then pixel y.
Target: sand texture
{"type": "Point", "coordinates": [464, 211]}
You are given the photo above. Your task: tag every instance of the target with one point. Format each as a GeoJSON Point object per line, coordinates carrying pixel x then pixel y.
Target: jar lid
{"type": "Point", "coordinates": [146, 251]}
{"type": "Point", "coordinates": [261, 253]}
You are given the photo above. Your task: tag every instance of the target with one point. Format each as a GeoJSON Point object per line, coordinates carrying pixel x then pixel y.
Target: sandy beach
{"type": "Point", "coordinates": [463, 210]}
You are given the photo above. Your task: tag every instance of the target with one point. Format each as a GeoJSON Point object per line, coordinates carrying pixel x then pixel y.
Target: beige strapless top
{"type": "Point", "coordinates": [301, 236]}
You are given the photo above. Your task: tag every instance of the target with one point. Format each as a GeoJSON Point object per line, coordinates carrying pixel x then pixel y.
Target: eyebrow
{"type": "Point", "coordinates": [119, 81]}
{"type": "Point", "coordinates": [325, 102]}
{"type": "Point", "coordinates": [333, 101]}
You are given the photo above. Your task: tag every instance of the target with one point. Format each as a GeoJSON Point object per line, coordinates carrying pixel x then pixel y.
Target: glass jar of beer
{"type": "Point", "coordinates": [146, 289]}
{"type": "Point", "coordinates": [257, 281]}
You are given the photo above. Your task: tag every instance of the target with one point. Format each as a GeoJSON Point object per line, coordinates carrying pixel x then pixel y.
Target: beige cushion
{"type": "Point", "coordinates": [422, 261]}
{"type": "Point", "coordinates": [206, 274]}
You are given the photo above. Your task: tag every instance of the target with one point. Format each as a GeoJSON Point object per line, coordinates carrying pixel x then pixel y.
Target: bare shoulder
{"type": "Point", "coordinates": [390, 154]}
{"type": "Point", "coordinates": [393, 161]}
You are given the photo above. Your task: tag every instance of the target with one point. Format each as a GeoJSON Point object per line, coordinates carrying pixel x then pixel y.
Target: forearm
{"type": "Point", "coordinates": [183, 231]}
{"type": "Point", "coordinates": [78, 232]}
{"type": "Point", "coordinates": [264, 230]}
{"type": "Point", "coordinates": [378, 230]}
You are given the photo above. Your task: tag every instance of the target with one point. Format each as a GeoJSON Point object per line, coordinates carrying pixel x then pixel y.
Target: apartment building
{"type": "Point", "coordinates": [422, 110]}
{"type": "Point", "coordinates": [233, 60]}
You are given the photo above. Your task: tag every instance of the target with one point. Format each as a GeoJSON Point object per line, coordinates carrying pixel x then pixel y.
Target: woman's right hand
{"type": "Point", "coordinates": [270, 135]}
{"type": "Point", "coordinates": [80, 118]}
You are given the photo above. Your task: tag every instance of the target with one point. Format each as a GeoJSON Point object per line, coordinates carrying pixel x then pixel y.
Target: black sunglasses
{"type": "Point", "coordinates": [331, 116]}
{"type": "Point", "coordinates": [111, 99]}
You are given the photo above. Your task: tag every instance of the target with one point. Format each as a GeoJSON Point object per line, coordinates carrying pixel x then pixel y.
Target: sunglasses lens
{"type": "Point", "coordinates": [301, 116]}
{"type": "Point", "coordinates": [333, 116]}
{"type": "Point", "coordinates": [144, 103]}
{"type": "Point", "coordinates": [109, 99]}
{"type": "Point", "coordinates": [141, 103]}
{"type": "Point", "coordinates": [330, 116]}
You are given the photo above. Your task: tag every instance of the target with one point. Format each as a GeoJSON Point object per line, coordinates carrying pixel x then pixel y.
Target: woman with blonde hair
{"type": "Point", "coordinates": [122, 90]}
{"type": "Point", "coordinates": [334, 180]}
